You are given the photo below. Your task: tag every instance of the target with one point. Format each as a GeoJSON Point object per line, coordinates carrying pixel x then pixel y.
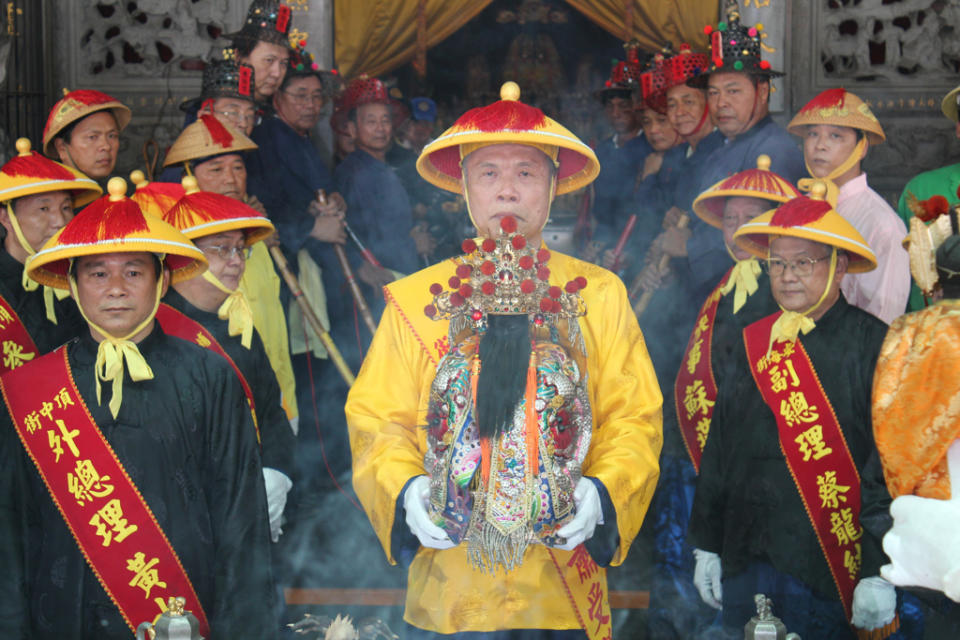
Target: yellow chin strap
{"type": "Point", "coordinates": [791, 324]}
{"type": "Point", "coordinates": [32, 285]}
{"type": "Point", "coordinates": [550, 151]}
{"type": "Point", "coordinates": [235, 309]}
{"type": "Point", "coordinates": [833, 191]}
{"type": "Point", "coordinates": [113, 351]}
{"type": "Point", "coordinates": [742, 280]}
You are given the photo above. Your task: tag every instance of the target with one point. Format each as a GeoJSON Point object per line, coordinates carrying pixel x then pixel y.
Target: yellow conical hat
{"type": "Point", "coordinates": [752, 183]}
{"type": "Point", "coordinates": [840, 108]}
{"type": "Point", "coordinates": [507, 121]}
{"type": "Point", "coordinates": [29, 173]}
{"type": "Point", "coordinates": [205, 138]}
{"type": "Point", "coordinates": [202, 213]}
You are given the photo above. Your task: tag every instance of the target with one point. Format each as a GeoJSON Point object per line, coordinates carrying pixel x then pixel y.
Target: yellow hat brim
{"type": "Point", "coordinates": [255, 228]}
{"type": "Point", "coordinates": [708, 206]}
{"type": "Point", "coordinates": [853, 113]}
{"type": "Point", "coordinates": [439, 163]}
{"type": "Point", "coordinates": [83, 189]}
{"type": "Point", "coordinates": [832, 230]}
{"type": "Point", "coordinates": [50, 265]}
{"type": "Point", "coordinates": [949, 104]}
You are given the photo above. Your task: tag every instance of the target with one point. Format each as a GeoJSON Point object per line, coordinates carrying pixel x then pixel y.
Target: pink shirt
{"type": "Point", "coordinates": [883, 291]}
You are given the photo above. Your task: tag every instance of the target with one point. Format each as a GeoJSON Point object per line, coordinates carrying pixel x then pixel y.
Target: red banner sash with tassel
{"type": "Point", "coordinates": [176, 323]}
{"type": "Point", "coordinates": [814, 448]}
{"type": "Point", "coordinates": [695, 390]}
{"type": "Point", "coordinates": [18, 346]}
{"type": "Point", "coordinates": [108, 517]}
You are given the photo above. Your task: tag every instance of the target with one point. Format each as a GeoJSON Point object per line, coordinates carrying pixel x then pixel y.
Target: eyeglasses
{"type": "Point", "coordinates": [226, 253]}
{"type": "Point", "coordinates": [802, 267]}
{"type": "Point", "coordinates": [246, 118]}
{"type": "Point", "coordinates": [305, 98]}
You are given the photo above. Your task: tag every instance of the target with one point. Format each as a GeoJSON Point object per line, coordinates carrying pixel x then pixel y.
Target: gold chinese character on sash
{"type": "Point", "coordinates": [695, 399]}
{"type": "Point", "coordinates": [812, 444]}
{"type": "Point", "coordinates": [46, 410]}
{"type": "Point", "coordinates": [68, 437]}
{"type": "Point", "coordinates": [14, 356]}
{"type": "Point", "coordinates": [85, 483]}
{"type": "Point", "coordinates": [32, 422]}
{"type": "Point", "coordinates": [583, 563]}
{"type": "Point", "coordinates": [843, 526]}
{"type": "Point", "coordinates": [852, 561]}
{"type": "Point", "coordinates": [795, 409]}
{"type": "Point", "coordinates": [202, 340]}
{"type": "Point", "coordinates": [111, 515]}
{"type": "Point", "coordinates": [780, 379]}
{"type": "Point", "coordinates": [63, 398]}
{"type": "Point", "coordinates": [696, 352]}
{"type": "Point", "coordinates": [145, 576]}
{"type": "Point", "coordinates": [831, 493]}
{"type": "Point", "coordinates": [703, 430]}
{"type": "Point", "coordinates": [5, 317]}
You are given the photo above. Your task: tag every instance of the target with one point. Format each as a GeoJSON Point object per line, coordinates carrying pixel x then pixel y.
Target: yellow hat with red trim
{"type": "Point", "coordinates": [154, 198]}
{"type": "Point", "coordinates": [112, 224]}
{"type": "Point", "coordinates": [507, 121]}
{"type": "Point", "coordinates": [752, 183]}
{"type": "Point", "coordinates": [78, 104]}
{"type": "Point", "coordinates": [29, 173]}
{"type": "Point", "coordinates": [810, 218]}
{"type": "Point", "coordinates": [205, 138]}
{"type": "Point", "coordinates": [840, 108]}
{"type": "Point", "coordinates": [203, 213]}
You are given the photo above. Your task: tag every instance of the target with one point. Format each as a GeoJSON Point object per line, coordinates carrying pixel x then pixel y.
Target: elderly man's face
{"type": "Point", "coordinates": [373, 129]}
{"type": "Point", "coordinates": [509, 180]}
{"type": "Point", "coordinates": [805, 272]}
{"type": "Point", "coordinates": [40, 216]}
{"type": "Point", "coordinates": [657, 128]}
{"type": "Point", "coordinates": [226, 175]}
{"type": "Point", "coordinates": [685, 107]}
{"type": "Point", "coordinates": [94, 143]}
{"type": "Point", "coordinates": [239, 114]}
{"type": "Point", "coordinates": [228, 270]}
{"type": "Point", "coordinates": [737, 211]}
{"type": "Point", "coordinates": [621, 114]}
{"type": "Point", "coordinates": [300, 103]}
{"type": "Point", "coordinates": [735, 103]}
{"type": "Point", "coordinates": [269, 62]}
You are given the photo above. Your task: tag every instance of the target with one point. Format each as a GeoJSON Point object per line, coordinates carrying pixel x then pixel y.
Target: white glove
{"type": "Point", "coordinates": [924, 543]}
{"type": "Point", "coordinates": [415, 503]}
{"type": "Point", "coordinates": [706, 577]}
{"type": "Point", "coordinates": [874, 603]}
{"type": "Point", "coordinates": [589, 515]}
{"type": "Point", "coordinates": [277, 485]}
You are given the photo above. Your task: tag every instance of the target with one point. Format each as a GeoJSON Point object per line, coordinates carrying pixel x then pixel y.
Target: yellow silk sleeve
{"type": "Point", "coordinates": [626, 403]}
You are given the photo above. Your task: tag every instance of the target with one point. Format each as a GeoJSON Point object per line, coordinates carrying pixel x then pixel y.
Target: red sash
{"type": "Point", "coordinates": [178, 324]}
{"type": "Point", "coordinates": [814, 448]}
{"type": "Point", "coordinates": [108, 517]}
{"type": "Point", "coordinates": [695, 390]}
{"type": "Point", "coordinates": [18, 346]}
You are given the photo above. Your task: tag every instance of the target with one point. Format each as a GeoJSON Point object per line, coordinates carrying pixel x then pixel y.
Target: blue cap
{"type": "Point", "coordinates": [423, 109]}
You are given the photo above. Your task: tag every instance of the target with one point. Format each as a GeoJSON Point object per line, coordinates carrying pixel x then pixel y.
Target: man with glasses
{"type": "Point", "coordinates": [213, 306]}
{"type": "Point", "coordinates": [227, 93]}
{"type": "Point", "coordinates": [790, 497]}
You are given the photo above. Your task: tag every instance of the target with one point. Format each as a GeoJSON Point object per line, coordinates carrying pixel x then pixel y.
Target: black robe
{"type": "Point", "coordinates": [32, 310]}
{"type": "Point", "coordinates": [186, 439]}
{"type": "Point", "coordinates": [747, 507]}
{"type": "Point", "coordinates": [277, 441]}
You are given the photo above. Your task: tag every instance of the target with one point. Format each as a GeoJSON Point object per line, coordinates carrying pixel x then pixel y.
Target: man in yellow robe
{"type": "Point", "coordinates": [507, 159]}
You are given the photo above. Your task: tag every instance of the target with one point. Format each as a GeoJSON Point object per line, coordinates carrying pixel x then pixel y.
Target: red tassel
{"type": "Point", "coordinates": [158, 196]}
{"type": "Point", "coordinates": [283, 18]}
{"type": "Point", "coordinates": [36, 166]}
{"type": "Point", "coordinates": [218, 133]}
{"type": "Point", "coordinates": [243, 82]}
{"type": "Point", "coordinates": [825, 100]}
{"type": "Point", "coordinates": [799, 212]}
{"type": "Point", "coordinates": [204, 206]}
{"type": "Point", "coordinates": [89, 97]}
{"type": "Point", "coordinates": [105, 220]}
{"type": "Point", "coordinates": [532, 435]}
{"type": "Point", "coordinates": [934, 207]}
{"type": "Point", "coordinates": [503, 115]}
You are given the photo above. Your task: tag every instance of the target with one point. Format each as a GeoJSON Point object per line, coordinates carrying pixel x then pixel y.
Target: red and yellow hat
{"type": "Point", "coordinates": [363, 90]}
{"type": "Point", "coordinates": [29, 173]}
{"type": "Point", "coordinates": [507, 121]}
{"type": "Point", "coordinates": [753, 183]}
{"type": "Point", "coordinates": [840, 108]}
{"type": "Point", "coordinates": [203, 213]}
{"type": "Point", "coordinates": [811, 218]}
{"type": "Point", "coordinates": [205, 138]}
{"type": "Point", "coordinates": [78, 104]}
{"type": "Point", "coordinates": [154, 198]}
{"type": "Point", "coordinates": [114, 223]}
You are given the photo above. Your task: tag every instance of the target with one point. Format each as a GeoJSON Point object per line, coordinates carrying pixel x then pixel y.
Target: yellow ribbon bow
{"type": "Point", "coordinates": [235, 309]}
{"type": "Point", "coordinates": [789, 326]}
{"type": "Point", "coordinates": [742, 281]}
{"type": "Point", "coordinates": [110, 357]}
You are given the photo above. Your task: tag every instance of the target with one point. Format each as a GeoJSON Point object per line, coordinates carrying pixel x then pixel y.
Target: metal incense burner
{"type": "Point", "coordinates": [765, 625]}
{"type": "Point", "coordinates": [173, 624]}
